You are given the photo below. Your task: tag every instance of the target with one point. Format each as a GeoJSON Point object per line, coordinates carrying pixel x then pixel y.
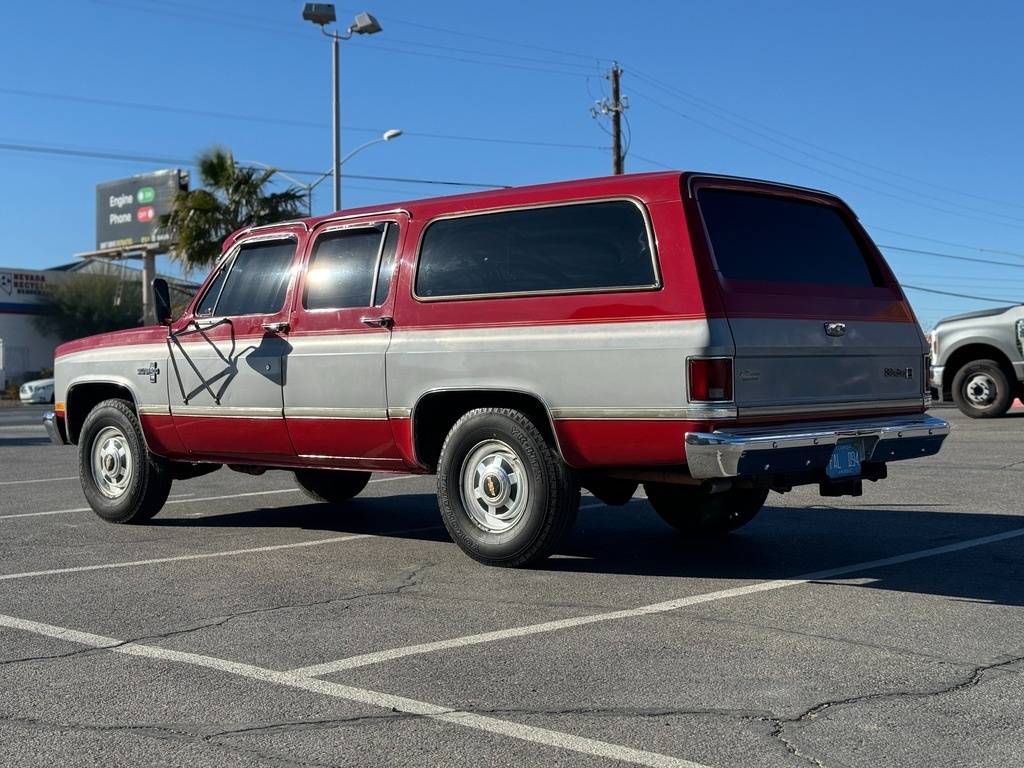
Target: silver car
{"type": "Point", "coordinates": [38, 391]}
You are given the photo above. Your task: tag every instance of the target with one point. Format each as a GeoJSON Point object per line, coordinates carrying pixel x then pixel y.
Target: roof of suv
{"type": "Point", "coordinates": [666, 183]}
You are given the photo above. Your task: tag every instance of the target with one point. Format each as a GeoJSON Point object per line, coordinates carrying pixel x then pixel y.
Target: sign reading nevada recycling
{"type": "Point", "coordinates": [128, 211]}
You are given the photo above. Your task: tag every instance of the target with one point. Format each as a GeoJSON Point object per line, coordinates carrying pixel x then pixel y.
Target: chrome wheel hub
{"type": "Point", "coordinates": [495, 488]}
{"type": "Point", "coordinates": [112, 465]}
{"type": "Point", "coordinates": [980, 390]}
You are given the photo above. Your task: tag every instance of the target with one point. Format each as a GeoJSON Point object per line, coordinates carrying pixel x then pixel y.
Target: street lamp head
{"type": "Point", "coordinates": [394, 133]}
{"type": "Point", "coordinates": [319, 13]}
{"type": "Point", "coordinates": [364, 24]}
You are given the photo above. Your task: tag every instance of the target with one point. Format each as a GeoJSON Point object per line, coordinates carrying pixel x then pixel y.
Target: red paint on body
{"type": "Point", "coordinates": [162, 436]}
{"type": "Point", "coordinates": [589, 443]}
{"type": "Point", "coordinates": [241, 438]}
{"type": "Point", "coordinates": [344, 438]}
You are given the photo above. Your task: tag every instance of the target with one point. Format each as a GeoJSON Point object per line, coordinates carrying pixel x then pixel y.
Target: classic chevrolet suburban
{"type": "Point", "coordinates": [713, 338]}
{"type": "Point", "coordinates": [978, 360]}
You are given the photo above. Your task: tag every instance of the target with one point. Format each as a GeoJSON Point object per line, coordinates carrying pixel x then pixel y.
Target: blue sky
{"type": "Point", "coordinates": [909, 110]}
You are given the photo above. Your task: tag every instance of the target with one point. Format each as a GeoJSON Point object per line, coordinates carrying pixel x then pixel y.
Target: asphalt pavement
{"type": "Point", "coordinates": [247, 626]}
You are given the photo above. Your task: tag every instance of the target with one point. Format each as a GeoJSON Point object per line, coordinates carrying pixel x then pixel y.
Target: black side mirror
{"type": "Point", "coordinates": [162, 301]}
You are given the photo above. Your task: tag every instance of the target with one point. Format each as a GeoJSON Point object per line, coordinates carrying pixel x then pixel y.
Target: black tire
{"type": "Point", "coordinates": [695, 511]}
{"type": "Point", "coordinates": [539, 506]}
{"type": "Point", "coordinates": [982, 390]}
{"type": "Point", "coordinates": [330, 485]}
{"type": "Point", "coordinates": [145, 485]}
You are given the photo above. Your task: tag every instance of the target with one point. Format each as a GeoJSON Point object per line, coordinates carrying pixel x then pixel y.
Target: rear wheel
{"type": "Point", "coordinates": [695, 511]}
{"type": "Point", "coordinates": [331, 486]}
{"type": "Point", "coordinates": [506, 496]}
{"type": "Point", "coordinates": [122, 481]}
{"type": "Point", "coordinates": [982, 390]}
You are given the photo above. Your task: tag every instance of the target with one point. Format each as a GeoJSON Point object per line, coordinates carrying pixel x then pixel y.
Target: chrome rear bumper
{"type": "Point", "coordinates": [774, 450]}
{"type": "Point", "coordinates": [54, 428]}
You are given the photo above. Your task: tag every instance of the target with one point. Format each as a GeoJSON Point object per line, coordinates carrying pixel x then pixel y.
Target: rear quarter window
{"type": "Point", "coordinates": [565, 248]}
{"type": "Point", "coordinates": [769, 238]}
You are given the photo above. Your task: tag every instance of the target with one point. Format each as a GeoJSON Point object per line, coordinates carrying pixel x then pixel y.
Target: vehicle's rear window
{"type": "Point", "coordinates": [575, 247]}
{"type": "Point", "coordinates": [768, 238]}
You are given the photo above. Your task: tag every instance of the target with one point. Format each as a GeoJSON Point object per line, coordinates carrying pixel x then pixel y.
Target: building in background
{"type": "Point", "coordinates": [25, 350]}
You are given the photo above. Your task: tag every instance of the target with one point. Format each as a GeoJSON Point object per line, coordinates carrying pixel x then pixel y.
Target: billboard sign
{"type": "Point", "coordinates": [128, 210]}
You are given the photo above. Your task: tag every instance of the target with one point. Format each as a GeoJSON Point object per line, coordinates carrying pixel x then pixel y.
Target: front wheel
{"type": "Point", "coordinates": [122, 481]}
{"type": "Point", "coordinates": [696, 511]}
{"type": "Point", "coordinates": [330, 485]}
{"type": "Point", "coordinates": [506, 496]}
{"type": "Point", "coordinates": [981, 390]}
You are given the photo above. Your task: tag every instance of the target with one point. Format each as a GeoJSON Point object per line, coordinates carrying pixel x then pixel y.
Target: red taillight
{"type": "Point", "coordinates": [710, 379]}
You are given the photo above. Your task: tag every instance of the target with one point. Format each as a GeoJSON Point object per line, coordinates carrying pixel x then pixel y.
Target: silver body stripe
{"type": "Point", "coordinates": [335, 413]}
{"type": "Point", "coordinates": [853, 405]}
{"type": "Point", "coordinates": [631, 414]}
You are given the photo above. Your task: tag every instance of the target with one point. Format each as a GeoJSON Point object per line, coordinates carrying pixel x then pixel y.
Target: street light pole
{"type": "Point", "coordinates": [336, 164]}
{"type": "Point", "coordinates": [323, 14]}
{"type": "Point", "coordinates": [388, 135]}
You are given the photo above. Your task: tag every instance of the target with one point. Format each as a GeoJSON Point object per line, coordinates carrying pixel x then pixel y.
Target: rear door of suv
{"type": "Point", "coordinates": [820, 325]}
{"type": "Point", "coordinates": [335, 397]}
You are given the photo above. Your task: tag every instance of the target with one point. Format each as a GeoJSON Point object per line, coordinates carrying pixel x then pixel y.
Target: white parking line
{"type": "Point", "coordinates": [181, 500]}
{"type": "Point", "coordinates": [377, 657]}
{"type": "Point", "coordinates": [528, 733]}
{"type": "Point", "coordinates": [43, 480]}
{"type": "Point", "coordinates": [180, 558]}
{"type": "Point", "coordinates": [169, 501]}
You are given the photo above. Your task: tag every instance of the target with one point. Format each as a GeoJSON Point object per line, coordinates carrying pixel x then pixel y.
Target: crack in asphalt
{"type": "Point", "coordinates": [411, 577]}
{"type": "Point", "coordinates": [836, 639]}
{"type": "Point", "coordinates": [779, 723]}
{"type": "Point", "coordinates": [178, 733]}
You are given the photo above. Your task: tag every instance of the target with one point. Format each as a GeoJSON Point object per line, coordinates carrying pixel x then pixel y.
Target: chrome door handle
{"type": "Point", "coordinates": [383, 321]}
{"type": "Point", "coordinates": [281, 327]}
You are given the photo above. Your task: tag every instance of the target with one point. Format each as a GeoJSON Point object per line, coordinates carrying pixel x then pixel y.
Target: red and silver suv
{"type": "Point", "coordinates": [712, 338]}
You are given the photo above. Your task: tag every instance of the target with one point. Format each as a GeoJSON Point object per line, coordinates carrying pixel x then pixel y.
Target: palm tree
{"type": "Point", "coordinates": [232, 197]}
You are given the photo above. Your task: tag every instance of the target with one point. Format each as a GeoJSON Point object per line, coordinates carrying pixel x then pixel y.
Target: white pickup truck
{"type": "Point", "coordinates": [978, 360]}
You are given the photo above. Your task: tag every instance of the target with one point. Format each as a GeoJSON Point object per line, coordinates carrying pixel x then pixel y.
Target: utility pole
{"type": "Point", "coordinates": [614, 107]}
{"type": "Point", "coordinates": [616, 110]}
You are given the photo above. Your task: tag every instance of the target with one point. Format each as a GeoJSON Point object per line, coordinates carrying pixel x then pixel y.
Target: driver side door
{"type": "Point", "coordinates": [228, 362]}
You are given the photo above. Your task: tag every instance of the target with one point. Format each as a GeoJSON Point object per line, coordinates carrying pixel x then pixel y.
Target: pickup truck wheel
{"type": "Point", "coordinates": [981, 390]}
{"type": "Point", "coordinates": [506, 496]}
{"type": "Point", "coordinates": [331, 486]}
{"type": "Point", "coordinates": [695, 511]}
{"type": "Point", "coordinates": [122, 481]}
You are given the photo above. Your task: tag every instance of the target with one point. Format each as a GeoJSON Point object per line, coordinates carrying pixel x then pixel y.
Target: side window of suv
{"type": "Point", "coordinates": [253, 283]}
{"type": "Point", "coordinates": [351, 268]}
{"type": "Point", "coordinates": [592, 246]}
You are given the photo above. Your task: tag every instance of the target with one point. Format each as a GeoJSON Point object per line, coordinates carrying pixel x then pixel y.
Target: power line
{"type": "Point", "coordinates": [711, 106]}
{"type": "Point", "coordinates": [958, 295]}
{"type": "Point", "coordinates": [283, 121]}
{"type": "Point", "coordinates": [939, 255]}
{"type": "Point", "coordinates": [787, 159]}
{"type": "Point", "coordinates": [276, 29]}
{"type": "Point", "coordinates": [478, 52]}
{"type": "Point", "coordinates": [275, 22]}
{"type": "Point", "coordinates": [947, 242]}
{"type": "Point", "coordinates": [599, 60]}
{"type": "Point", "coordinates": [655, 163]}
{"type": "Point", "coordinates": [121, 156]}
{"type": "Point", "coordinates": [384, 48]}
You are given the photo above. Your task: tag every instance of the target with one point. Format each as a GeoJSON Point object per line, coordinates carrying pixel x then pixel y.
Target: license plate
{"type": "Point", "coordinates": [845, 461]}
